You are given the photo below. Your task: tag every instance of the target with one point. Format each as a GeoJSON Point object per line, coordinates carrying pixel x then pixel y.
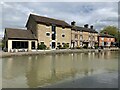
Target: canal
{"type": "Point", "coordinates": [61, 70]}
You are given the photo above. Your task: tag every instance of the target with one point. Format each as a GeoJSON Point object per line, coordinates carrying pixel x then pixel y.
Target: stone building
{"type": "Point", "coordinates": [83, 36]}
{"type": "Point", "coordinates": [19, 39]}
{"type": "Point", "coordinates": [51, 32]}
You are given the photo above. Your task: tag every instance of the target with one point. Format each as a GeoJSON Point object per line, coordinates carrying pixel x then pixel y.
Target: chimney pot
{"type": "Point", "coordinates": [86, 25]}
{"type": "Point", "coordinates": [73, 23]}
{"type": "Point", "coordinates": [91, 27]}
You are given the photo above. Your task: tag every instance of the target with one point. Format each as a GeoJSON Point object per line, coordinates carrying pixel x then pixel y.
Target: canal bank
{"type": "Point", "coordinates": [45, 52]}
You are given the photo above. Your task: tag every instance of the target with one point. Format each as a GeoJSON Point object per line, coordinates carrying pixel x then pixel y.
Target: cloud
{"type": "Point", "coordinates": [99, 14]}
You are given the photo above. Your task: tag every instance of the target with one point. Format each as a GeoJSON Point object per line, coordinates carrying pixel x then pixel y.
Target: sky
{"type": "Point", "coordinates": [98, 14]}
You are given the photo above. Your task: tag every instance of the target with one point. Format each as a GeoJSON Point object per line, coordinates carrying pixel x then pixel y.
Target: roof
{"type": "Point", "coordinates": [23, 34]}
{"type": "Point", "coordinates": [84, 29]}
{"type": "Point", "coordinates": [49, 21]}
{"type": "Point", "coordinates": [106, 35]}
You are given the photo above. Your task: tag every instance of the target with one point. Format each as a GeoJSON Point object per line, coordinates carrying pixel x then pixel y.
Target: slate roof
{"type": "Point", "coordinates": [105, 35]}
{"type": "Point", "coordinates": [23, 34]}
{"type": "Point", "coordinates": [49, 21]}
{"type": "Point", "coordinates": [84, 29]}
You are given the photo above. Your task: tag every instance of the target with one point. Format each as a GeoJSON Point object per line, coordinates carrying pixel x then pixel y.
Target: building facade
{"type": "Point", "coordinates": [51, 32]}
{"type": "Point", "coordinates": [83, 36]}
{"type": "Point", "coordinates": [19, 40]}
{"type": "Point", "coordinates": [106, 40]}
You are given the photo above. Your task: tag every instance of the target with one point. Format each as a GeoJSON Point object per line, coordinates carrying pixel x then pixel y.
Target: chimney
{"type": "Point", "coordinates": [105, 32]}
{"type": "Point", "coordinates": [73, 23]}
{"type": "Point", "coordinates": [91, 27]}
{"type": "Point", "coordinates": [86, 25]}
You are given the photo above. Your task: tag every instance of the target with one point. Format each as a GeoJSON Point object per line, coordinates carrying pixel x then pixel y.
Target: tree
{"type": "Point", "coordinates": [111, 30]}
{"type": "Point", "coordinates": [42, 46]}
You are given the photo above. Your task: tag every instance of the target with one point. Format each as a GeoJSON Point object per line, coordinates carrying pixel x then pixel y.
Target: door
{"type": "Point", "coordinates": [53, 45]}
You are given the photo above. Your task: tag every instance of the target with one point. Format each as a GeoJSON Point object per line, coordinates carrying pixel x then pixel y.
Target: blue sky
{"type": "Point", "coordinates": [98, 14]}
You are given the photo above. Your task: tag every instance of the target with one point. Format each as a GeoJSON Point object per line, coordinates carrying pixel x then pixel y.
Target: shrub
{"type": "Point", "coordinates": [62, 48]}
{"type": "Point", "coordinates": [48, 48]}
{"type": "Point", "coordinates": [66, 45]}
{"type": "Point", "coordinates": [59, 46]}
{"type": "Point", "coordinates": [96, 46]}
{"type": "Point", "coordinates": [42, 46]}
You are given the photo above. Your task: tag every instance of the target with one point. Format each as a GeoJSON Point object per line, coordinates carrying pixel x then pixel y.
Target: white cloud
{"type": "Point", "coordinates": [98, 14]}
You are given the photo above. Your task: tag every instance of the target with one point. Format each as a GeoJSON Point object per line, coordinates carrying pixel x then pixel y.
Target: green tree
{"type": "Point", "coordinates": [111, 30]}
{"type": "Point", "coordinates": [42, 46]}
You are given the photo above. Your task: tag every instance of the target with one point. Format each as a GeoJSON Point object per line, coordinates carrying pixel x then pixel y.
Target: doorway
{"type": "Point", "coordinates": [53, 45]}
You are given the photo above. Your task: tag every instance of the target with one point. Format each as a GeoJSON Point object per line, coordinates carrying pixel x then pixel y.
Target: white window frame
{"type": "Point", "coordinates": [46, 34]}
{"type": "Point", "coordinates": [63, 34]}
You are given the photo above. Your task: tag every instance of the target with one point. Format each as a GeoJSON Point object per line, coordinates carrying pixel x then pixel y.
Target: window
{"type": "Point", "coordinates": [63, 35]}
{"type": "Point", "coordinates": [76, 36]}
{"type": "Point", "coordinates": [68, 44]}
{"type": "Point", "coordinates": [33, 45]}
{"type": "Point", "coordinates": [53, 36]}
{"type": "Point", "coordinates": [81, 37]}
{"type": "Point", "coordinates": [19, 44]}
{"type": "Point", "coordinates": [63, 28]}
{"type": "Point", "coordinates": [102, 38]}
{"type": "Point", "coordinates": [47, 33]}
{"type": "Point", "coordinates": [89, 38]}
{"type": "Point", "coordinates": [63, 43]}
{"type": "Point", "coordinates": [80, 32]}
{"type": "Point", "coordinates": [53, 28]}
{"type": "Point", "coordinates": [58, 43]}
{"type": "Point", "coordinates": [80, 43]}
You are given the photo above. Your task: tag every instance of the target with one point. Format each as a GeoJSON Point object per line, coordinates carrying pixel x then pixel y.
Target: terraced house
{"type": "Point", "coordinates": [50, 32]}
{"type": "Point", "coordinates": [83, 36]}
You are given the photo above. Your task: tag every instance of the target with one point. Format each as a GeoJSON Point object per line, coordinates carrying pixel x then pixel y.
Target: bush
{"type": "Point", "coordinates": [42, 47]}
{"type": "Point", "coordinates": [62, 48]}
{"type": "Point", "coordinates": [48, 48]}
{"type": "Point", "coordinates": [96, 46]}
{"type": "Point", "coordinates": [59, 46]}
{"type": "Point", "coordinates": [66, 46]}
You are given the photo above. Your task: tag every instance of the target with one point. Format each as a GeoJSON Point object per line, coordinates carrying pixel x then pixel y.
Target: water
{"type": "Point", "coordinates": [45, 70]}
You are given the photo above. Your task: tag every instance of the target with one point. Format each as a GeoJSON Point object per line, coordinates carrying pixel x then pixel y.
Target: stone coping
{"type": "Point", "coordinates": [45, 52]}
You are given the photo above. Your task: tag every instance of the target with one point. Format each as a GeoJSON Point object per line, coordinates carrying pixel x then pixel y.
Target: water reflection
{"type": "Point", "coordinates": [41, 70]}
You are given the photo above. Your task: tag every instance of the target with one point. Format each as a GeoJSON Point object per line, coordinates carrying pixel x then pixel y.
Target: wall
{"type": "Point", "coordinates": [105, 39]}
{"type": "Point", "coordinates": [32, 25]}
{"type": "Point", "coordinates": [29, 44]}
{"type": "Point", "coordinates": [42, 29]}
{"type": "Point", "coordinates": [67, 32]}
{"type": "Point", "coordinates": [85, 36]}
